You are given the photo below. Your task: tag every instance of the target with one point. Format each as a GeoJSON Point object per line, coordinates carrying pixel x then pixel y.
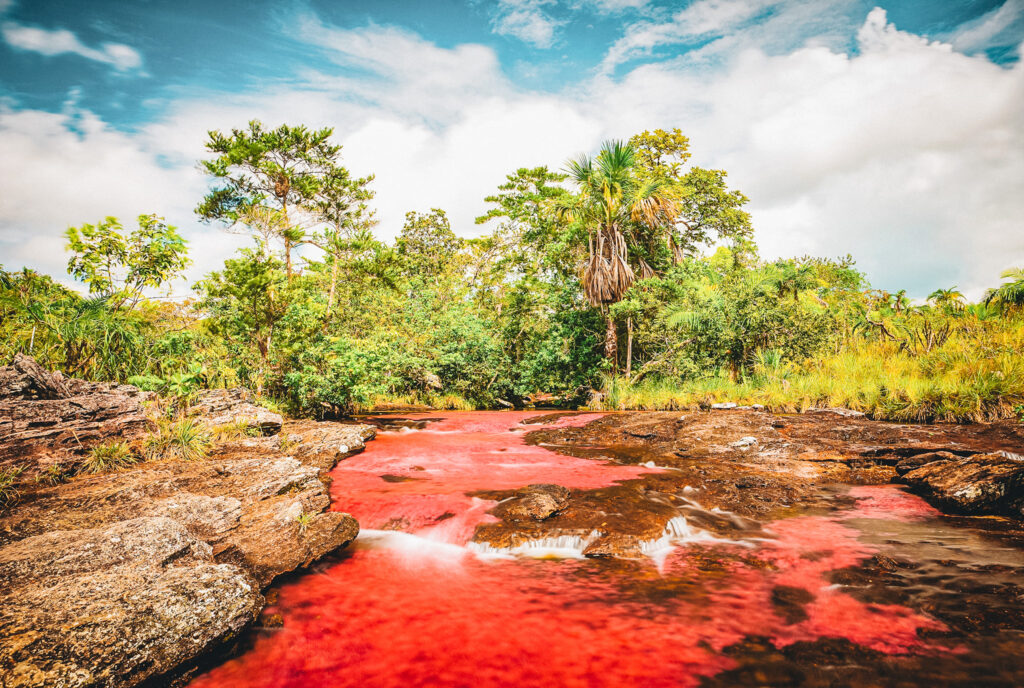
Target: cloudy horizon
{"type": "Point", "coordinates": [894, 132]}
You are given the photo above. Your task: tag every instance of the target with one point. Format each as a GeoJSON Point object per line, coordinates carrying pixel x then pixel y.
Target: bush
{"type": "Point", "coordinates": [109, 456]}
{"type": "Point", "coordinates": [185, 438]}
{"type": "Point", "coordinates": [8, 492]}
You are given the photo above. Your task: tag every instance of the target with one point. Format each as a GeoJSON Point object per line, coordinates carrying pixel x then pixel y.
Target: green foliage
{"type": "Point", "coordinates": [109, 456]}
{"type": "Point", "coordinates": [184, 438]}
{"type": "Point", "coordinates": [9, 492]}
{"type": "Point", "coordinates": [120, 267]}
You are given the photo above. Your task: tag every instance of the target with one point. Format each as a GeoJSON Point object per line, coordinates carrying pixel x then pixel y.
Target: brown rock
{"type": "Point", "coordinates": [114, 606]}
{"type": "Point", "coordinates": [224, 406]}
{"type": "Point", "coordinates": [323, 444]}
{"type": "Point", "coordinates": [534, 503]}
{"type": "Point", "coordinates": [916, 461]}
{"type": "Point", "coordinates": [980, 484]}
{"type": "Point", "coordinates": [618, 545]}
{"type": "Point", "coordinates": [26, 379]}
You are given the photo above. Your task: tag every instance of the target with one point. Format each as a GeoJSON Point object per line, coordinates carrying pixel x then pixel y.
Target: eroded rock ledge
{"type": "Point", "coordinates": [733, 469]}
{"type": "Point", "coordinates": [120, 578]}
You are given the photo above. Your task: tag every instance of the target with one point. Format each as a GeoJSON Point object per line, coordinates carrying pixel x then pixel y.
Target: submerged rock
{"type": "Point", "coordinates": [534, 503]}
{"type": "Point", "coordinates": [980, 484]}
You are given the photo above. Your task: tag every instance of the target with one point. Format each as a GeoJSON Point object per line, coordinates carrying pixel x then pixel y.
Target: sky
{"type": "Point", "coordinates": [893, 131]}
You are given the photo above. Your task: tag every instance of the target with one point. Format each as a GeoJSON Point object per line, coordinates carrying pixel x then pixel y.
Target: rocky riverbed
{"type": "Point", "coordinates": [749, 466]}
{"type": "Point", "coordinates": [124, 577]}
{"type": "Point", "coordinates": [133, 577]}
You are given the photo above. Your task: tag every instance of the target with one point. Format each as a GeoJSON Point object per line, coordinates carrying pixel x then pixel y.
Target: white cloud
{"type": "Point", "coordinates": [991, 26]}
{"type": "Point", "coordinates": [610, 6]}
{"type": "Point", "coordinates": [905, 153]}
{"type": "Point", "coordinates": [60, 41]}
{"type": "Point", "coordinates": [525, 20]}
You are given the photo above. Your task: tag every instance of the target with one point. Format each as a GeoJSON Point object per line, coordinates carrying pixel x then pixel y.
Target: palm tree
{"type": "Point", "coordinates": [1009, 295]}
{"type": "Point", "coordinates": [948, 299]}
{"type": "Point", "coordinates": [610, 201]}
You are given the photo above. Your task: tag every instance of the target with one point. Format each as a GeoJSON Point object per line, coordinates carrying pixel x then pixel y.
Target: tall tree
{"type": "Point", "coordinates": [341, 204]}
{"type": "Point", "coordinates": [707, 210]}
{"type": "Point", "coordinates": [611, 200]}
{"type": "Point", "coordinates": [427, 242]}
{"type": "Point", "coordinates": [119, 266]}
{"type": "Point", "coordinates": [283, 167]}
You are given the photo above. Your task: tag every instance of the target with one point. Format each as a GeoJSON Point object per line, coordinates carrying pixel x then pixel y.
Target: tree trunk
{"type": "Point", "coordinates": [611, 342]}
{"type": "Point", "coordinates": [629, 347]}
{"type": "Point", "coordinates": [288, 258]}
{"type": "Point", "coordinates": [334, 282]}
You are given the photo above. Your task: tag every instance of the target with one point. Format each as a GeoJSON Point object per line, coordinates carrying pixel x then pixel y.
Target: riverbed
{"type": "Point", "coordinates": [857, 582]}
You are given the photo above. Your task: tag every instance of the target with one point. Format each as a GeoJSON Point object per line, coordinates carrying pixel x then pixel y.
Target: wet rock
{"type": "Point", "coordinates": [114, 606]}
{"type": "Point", "coordinates": [617, 545]}
{"type": "Point", "coordinates": [534, 503]}
{"type": "Point", "coordinates": [909, 463]}
{"type": "Point", "coordinates": [789, 603]}
{"type": "Point", "coordinates": [224, 406]}
{"type": "Point", "coordinates": [980, 484]}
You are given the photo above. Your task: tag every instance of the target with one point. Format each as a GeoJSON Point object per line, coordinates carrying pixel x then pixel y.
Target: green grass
{"type": "Point", "coordinates": [975, 377]}
{"type": "Point", "coordinates": [435, 401]}
{"type": "Point", "coordinates": [185, 438]}
{"type": "Point", "coordinates": [109, 456]}
{"type": "Point", "coordinates": [9, 492]}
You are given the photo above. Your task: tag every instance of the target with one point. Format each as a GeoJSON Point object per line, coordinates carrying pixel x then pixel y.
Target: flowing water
{"type": "Point", "coordinates": [876, 590]}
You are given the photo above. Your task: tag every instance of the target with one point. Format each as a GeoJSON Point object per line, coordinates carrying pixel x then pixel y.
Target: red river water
{"type": "Point", "coordinates": [411, 603]}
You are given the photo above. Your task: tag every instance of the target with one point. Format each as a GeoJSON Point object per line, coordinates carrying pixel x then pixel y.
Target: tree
{"type": "Point", "coordinates": [1009, 295]}
{"type": "Point", "coordinates": [340, 203]}
{"type": "Point", "coordinates": [245, 302]}
{"type": "Point", "coordinates": [120, 268]}
{"type": "Point", "coordinates": [611, 200]}
{"type": "Point", "coordinates": [284, 166]}
{"type": "Point", "coordinates": [427, 242]}
{"type": "Point", "coordinates": [948, 299]}
{"type": "Point", "coordinates": [706, 210]}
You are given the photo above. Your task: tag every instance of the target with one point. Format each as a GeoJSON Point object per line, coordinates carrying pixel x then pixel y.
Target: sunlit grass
{"type": "Point", "coordinates": [976, 376]}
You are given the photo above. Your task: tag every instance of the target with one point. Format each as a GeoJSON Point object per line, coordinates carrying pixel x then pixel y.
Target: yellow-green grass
{"type": "Point", "coordinates": [974, 377]}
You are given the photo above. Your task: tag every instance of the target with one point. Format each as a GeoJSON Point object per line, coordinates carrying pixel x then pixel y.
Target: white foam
{"type": "Point", "coordinates": [560, 547]}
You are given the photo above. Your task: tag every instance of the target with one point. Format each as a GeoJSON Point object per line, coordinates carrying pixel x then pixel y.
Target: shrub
{"type": "Point", "coordinates": [109, 456]}
{"type": "Point", "coordinates": [186, 438]}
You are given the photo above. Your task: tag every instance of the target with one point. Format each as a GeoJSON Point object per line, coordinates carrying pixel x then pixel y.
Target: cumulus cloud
{"type": "Point", "coordinates": [903, 152]}
{"type": "Point", "coordinates": [61, 41]}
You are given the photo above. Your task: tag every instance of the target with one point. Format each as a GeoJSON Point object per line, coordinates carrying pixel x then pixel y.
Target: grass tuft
{"type": "Point", "coordinates": [109, 456]}
{"type": "Point", "coordinates": [185, 438]}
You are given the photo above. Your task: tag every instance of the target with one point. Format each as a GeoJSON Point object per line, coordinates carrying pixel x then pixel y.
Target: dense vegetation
{"type": "Point", "coordinates": [633, 273]}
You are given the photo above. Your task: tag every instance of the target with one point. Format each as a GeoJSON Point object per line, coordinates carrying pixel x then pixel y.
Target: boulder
{"type": "Point", "coordinates": [617, 545]}
{"type": "Point", "coordinates": [534, 503]}
{"type": "Point", "coordinates": [836, 411]}
{"type": "Point", "coordinates": [115, 606]}
{"type": "Point", "coordinates": [225, 406]}
{"type": "Point", "coordinates": [980, 484]}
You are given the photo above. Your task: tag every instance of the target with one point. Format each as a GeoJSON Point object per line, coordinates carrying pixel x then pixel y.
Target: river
{"type": "Point", "coordinates": [876, 589]}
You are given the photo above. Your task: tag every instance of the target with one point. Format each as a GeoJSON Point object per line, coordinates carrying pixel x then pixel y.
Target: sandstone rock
{"type": "Point", "coordinates": [323, 444]}
{"type": "Point", "coordinates": [617, 545]}
{"type": "Point", "coordinates": [26, 379]}
{"type": "Point", "coordinates": [114, 606]}
{"type": "Point", "coordinates": [980, 484]}
{"type": "Point", "coordinates": [744, 442]}
{"type": "Point", "coordinates": [534, 503]}
{"type": "Point", "coordinates": [44, 416]}
{"type": "Point", "coordinates": [724, 405]}
{"type": "Point", "coordinates": [224, 406]}
{"type": "Point", "coordinates": [917, 460]}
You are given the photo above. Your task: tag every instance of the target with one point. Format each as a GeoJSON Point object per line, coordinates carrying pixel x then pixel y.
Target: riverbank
{"type": "Point", "coordinates": [124, 576]}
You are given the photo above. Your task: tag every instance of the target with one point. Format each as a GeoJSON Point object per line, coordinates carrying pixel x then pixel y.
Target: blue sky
{"type": "Point", "coordinates": [892, 131]}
